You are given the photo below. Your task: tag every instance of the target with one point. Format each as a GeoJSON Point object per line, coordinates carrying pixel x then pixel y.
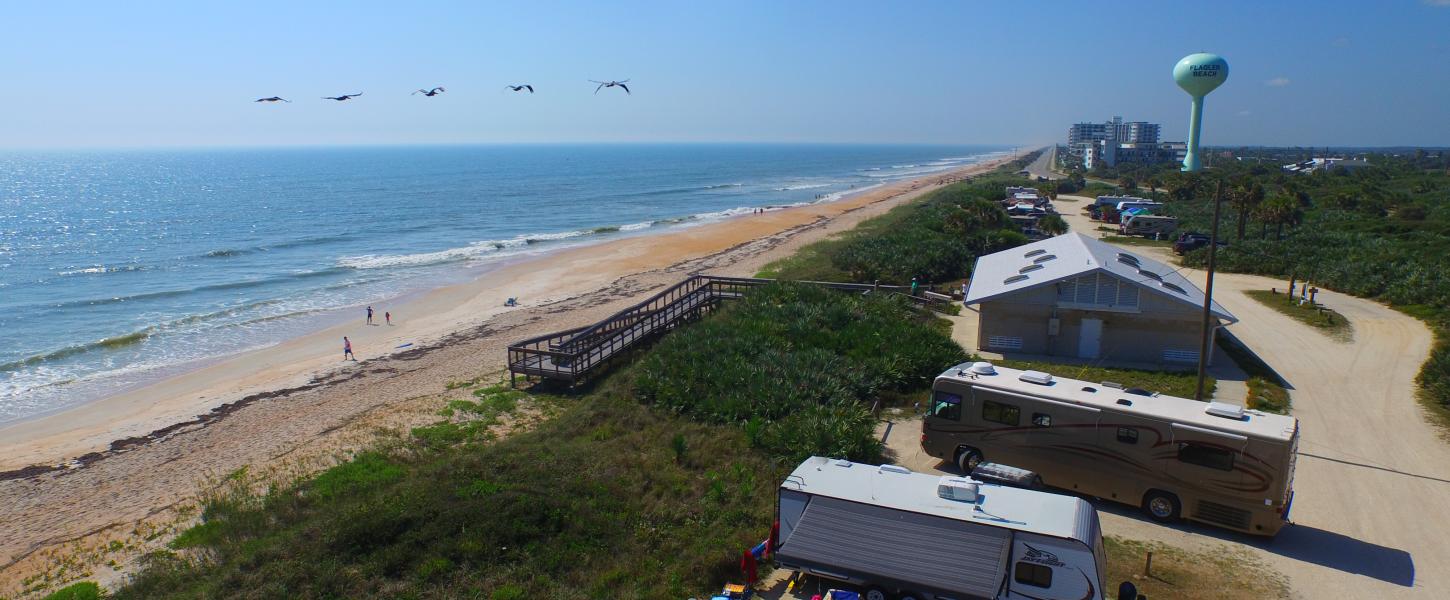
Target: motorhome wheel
{"type": "Point", "coordinates": [1161, 506]}
{"type": "Point", "coordinates": [875, 593]}
{"type": "Point", "coordinates": [968, 459]}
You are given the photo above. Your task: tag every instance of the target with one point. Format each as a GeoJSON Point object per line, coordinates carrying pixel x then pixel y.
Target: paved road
{"type": "Point", "coordinates": [1373, 477]}
{"type": "Point", "coordinates": [1042, 167]}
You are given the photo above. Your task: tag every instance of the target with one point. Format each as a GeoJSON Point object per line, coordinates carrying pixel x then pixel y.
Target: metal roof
{"type": "Point", "coordinates": [898, 488]}
{"type": "Point", "coordinates": [1095, 395]}
{"type": "Point", "coordinates": [1072, 255]}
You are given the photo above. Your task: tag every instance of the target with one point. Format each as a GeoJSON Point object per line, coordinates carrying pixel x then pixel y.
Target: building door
{"type": "Point", "coordinates": [1090, 338]}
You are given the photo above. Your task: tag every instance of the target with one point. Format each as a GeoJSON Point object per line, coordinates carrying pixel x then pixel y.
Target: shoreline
{"type": "Point", "coordinates": [80, 435]}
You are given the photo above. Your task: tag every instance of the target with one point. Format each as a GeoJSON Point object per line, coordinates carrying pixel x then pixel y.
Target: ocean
{"type": "Point", "coordinates": [118, 268]}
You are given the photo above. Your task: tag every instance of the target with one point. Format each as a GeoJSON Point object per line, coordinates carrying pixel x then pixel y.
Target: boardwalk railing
{"type": "Point", "coordinates": [571, 355]}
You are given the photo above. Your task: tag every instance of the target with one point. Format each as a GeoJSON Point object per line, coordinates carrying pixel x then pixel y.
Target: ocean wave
{"type": "Point", "coordinates": [99, 269]}
{"type": "Point", "coordinates": [110, 343]}
{"type": "Point", "coordinates": [226, 252]}
{"type": "Point", "coordinates": [803, 186]}
{"type": "Point", "coordinates": [722, 185]}
{"type": "Point", "coordinates": [159, 294]}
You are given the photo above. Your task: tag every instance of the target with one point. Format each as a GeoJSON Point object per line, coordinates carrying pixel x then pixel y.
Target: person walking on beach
{"type": "Point", "coordinates": [388, 318]}
{"type": "Point", "coordinates": [370, 315]}
{"type": "Point", "coordinates": [347, 349]}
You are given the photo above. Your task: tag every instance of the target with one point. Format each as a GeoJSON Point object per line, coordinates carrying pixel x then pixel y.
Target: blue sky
{"type": "Point", "coordinates": [181, 74]}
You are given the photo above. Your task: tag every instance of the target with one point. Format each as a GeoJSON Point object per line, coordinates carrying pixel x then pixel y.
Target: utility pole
{"type": "Point", "coordinates": [1206, 343]}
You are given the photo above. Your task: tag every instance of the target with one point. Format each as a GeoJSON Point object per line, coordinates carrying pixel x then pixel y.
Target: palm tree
{"type": "Point", "coordinates": [1244, 196]}
{"type": "Point", "coordinates": [1279, 211]}
{"type": "Point", "coordinates": [1052, 224]}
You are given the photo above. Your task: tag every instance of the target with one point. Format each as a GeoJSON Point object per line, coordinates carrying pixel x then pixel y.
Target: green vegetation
{"type": "Point", "coordinates": [84, 590]}
{"type": "Point", "coordinates": [936, 240]}
{"type": "Point", "coordinates": [1322, 319]}
{"type": "Point", "coordinates": [1128, 240]}
{"type": "Point", "coordinates": [1227, 574]}
{"type": "Point", "coordinates": [800, 366]}
{"type": "Point", "coordinates": [1378, 232]}
{"type": "Point", "coordinates": [670, 463]}
{"type": "Point", "coordinates": [1268, 396]}
{"type": "Point", "coordinates": [1171, 383]}
{"type": "Point", "coordinates": [1266, 389]}
{"type": "Point", "coordinates": [593, 503]}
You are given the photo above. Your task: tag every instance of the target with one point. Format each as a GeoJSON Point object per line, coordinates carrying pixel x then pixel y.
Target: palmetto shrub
{"type": "Point", "coordinates": [800, 363]}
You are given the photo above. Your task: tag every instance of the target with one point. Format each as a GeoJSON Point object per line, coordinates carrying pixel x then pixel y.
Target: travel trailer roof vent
{"type": "Point", "coordinates": [957, 488]}
{"type": "Point", "coordinates": [1225, 410]}
{"type": "Point", "coordinates": [1037, 377]}
{"type": "Point", "coordinates": [983, 368]}
{"type": "Point", "coordinates": [888, 468]}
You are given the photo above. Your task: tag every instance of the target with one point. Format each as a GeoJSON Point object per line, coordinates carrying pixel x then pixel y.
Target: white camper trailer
{"type": "Point", "coordinates": [913, 535]}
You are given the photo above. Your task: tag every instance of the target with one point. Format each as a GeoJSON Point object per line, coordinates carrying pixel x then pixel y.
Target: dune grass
{"type": "Point", "coordinates": [609, 499]}
{"type": "Point", "coordinates": [1322, 319]}
{"type": "Point", "coordinates": [1186, 575]}
{"type": "Point", "coordinates": [649, 486]}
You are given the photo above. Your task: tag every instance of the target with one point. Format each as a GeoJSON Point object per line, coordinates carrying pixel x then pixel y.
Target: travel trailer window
{"type": "Point", "coordinates": [1033, 575]}
{"type": "Point", "coordinates": [1127, 435]}
{"type": "Point", "coordinates": [1206, 456]}
{"type": "Point", "coordinates": [998, 412]}
{"type": "Point", "coordinates": [1041, 420]}
{"type": "Point", "coordinates": [947, 406]}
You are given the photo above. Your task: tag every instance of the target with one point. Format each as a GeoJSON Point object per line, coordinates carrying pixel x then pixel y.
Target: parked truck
{"type": "Point", "coordinates": [914, 536]}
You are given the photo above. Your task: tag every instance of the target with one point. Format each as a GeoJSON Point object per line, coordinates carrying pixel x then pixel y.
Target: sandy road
{"type": "Point", "coordinates": [1372, 488]}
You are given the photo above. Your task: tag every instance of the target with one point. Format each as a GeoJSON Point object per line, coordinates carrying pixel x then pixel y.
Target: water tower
{"type": "Point", "coordinates": [1198, 74]}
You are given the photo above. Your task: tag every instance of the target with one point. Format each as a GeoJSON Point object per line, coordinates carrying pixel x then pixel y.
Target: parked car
{"type": "Point", "coordinates": [1190, 241]}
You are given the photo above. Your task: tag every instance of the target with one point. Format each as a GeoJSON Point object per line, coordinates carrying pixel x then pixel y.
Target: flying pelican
{"type": "Point", "coordinates": [343, 97]}
{"type": "Point", "coordinates": [430, 93]}
{"type": "Point", "coordinates": [525, 86]}
{"type": "Point", "coordinates": [605, 84]}
{"type": "Point", "coordinates": [273, 99]}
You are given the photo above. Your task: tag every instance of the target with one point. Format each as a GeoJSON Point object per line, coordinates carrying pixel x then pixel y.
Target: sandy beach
{"type": "Point", "coordinates": [124, 466]}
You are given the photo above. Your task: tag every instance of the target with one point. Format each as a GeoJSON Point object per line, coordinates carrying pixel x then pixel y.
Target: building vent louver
{"type": "Point", "coordinates": [1029, 268]}
{"type": "Point", "coordinates": [1124, 257]}
{"type": "Point", "coordinates": [1014, 279]}
{"type": "Point", "coordinates": [1150, 275]}
{"type": "Point", "coordinates": [1173, 287]}
{"type": "Point", "coordinates": [1042, 259]}
{"type": "Point", "coordinates": [1032, 253]}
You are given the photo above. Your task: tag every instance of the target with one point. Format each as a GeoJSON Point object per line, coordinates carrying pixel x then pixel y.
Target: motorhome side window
{"type": "Point", "coordinates": [1127, 435]}
{"type": "Point", "coordinates": [1206, 456]}
{"type": "Point", "coordinates": [1033, 574]}
{"type": "Point", "coordinates": [998, 412]}
{"type": "Point", "coordinates": [946, 406]}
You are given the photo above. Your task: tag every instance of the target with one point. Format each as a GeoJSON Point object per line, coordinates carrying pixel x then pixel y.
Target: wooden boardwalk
{"type": "Point", "coordinates": [572, 355]}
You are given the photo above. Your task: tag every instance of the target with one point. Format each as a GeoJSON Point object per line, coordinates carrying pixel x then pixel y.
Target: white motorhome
{"type": "Point", "coordinates": [1148, 225]}
{"type": "Point", "coordinates": [918, 536]}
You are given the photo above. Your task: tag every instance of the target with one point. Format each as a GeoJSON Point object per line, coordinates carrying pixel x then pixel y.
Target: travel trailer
{"type": "Point", "coordinates": [1148, 225]}
{"type": "Point", "coordinates": [916, 536]}
{"type": "Point", "coordinates": [1176, 458]}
